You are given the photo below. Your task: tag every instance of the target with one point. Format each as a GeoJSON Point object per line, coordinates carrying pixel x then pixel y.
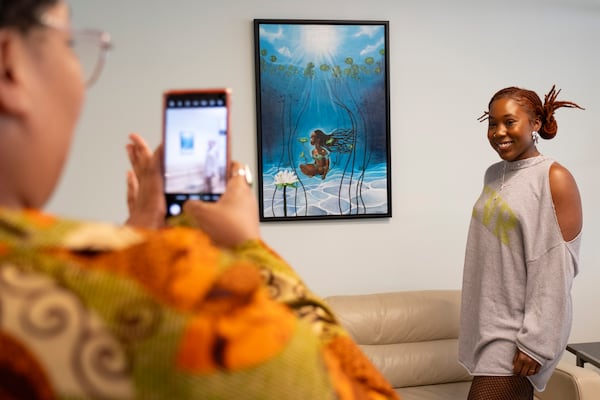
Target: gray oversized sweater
{"type": "Point", "coordinates": [518, 274]}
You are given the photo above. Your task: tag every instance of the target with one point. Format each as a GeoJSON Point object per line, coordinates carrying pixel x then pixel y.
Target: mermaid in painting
{"type": "Point", "coordinates": [338, 141]}
{"type": "Point", "coordinates": [320, 155]}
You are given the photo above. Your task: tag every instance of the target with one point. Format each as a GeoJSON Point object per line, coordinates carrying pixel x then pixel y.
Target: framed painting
{"type": "Point", "coordinates": [323, 115]}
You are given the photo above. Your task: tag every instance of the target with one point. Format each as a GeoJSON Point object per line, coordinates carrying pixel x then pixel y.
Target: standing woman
{"type": "Point", "coordinates": [521, 255]}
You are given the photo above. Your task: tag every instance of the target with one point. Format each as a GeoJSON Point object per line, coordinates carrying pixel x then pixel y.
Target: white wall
{"type": "Point", "coordinates": [446, 60]}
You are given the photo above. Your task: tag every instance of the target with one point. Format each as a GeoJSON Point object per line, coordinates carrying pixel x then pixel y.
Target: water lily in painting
{"type": "Point", "coordinates": [283, 179]}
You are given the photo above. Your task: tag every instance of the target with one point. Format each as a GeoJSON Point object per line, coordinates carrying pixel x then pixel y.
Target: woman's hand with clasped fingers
{"type": "Point", "coordinates": [523, 365]}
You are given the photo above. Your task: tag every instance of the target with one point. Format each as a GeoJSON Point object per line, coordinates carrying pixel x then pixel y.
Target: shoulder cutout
{"type": "Point", "coordinates": [567, 201]}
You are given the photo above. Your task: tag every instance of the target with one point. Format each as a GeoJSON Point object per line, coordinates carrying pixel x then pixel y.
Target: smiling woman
{"type": "Point", "coordinates": [514, 118]}
{"type": "Point", "coordinates": [511, 133]}
{"type": "Point", "coordinates": [519, 264]}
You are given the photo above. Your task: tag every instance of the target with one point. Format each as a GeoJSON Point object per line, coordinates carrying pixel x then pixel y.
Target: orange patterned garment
{"type": "Point", "coordinates": [90, 310]}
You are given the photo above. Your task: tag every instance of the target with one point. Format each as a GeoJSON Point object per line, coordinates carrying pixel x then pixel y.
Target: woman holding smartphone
{"type": "Point", "coordinates": [93, 311]}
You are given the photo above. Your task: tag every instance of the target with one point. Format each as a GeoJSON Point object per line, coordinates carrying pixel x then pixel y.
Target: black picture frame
{"type": "Point", "coordinates": [323, 119]}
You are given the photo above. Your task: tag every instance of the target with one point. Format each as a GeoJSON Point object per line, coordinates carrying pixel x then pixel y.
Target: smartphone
{"type": "Point", "coordinates": [196, 145]}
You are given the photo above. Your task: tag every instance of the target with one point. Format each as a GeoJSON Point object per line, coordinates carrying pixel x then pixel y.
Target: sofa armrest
{"type": "Point", "coordinates": [571, 382]}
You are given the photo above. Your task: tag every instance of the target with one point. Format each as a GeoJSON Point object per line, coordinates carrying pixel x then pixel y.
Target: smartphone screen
{"type": "Point", "coordinates": [196, 146]}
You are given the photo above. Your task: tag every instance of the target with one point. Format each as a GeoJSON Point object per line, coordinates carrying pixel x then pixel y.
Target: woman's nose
{"type": "Point", "coordinates": [499, 131]}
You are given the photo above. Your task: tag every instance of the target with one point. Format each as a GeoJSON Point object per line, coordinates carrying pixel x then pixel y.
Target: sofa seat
{"type": "Point", "coordinates": [455, 390]}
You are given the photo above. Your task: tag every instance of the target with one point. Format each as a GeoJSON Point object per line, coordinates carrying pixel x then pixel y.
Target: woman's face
{"type": "Point", "coordinates": [510, 129]}
{"type": "Point", "coordinates": [55, 89]}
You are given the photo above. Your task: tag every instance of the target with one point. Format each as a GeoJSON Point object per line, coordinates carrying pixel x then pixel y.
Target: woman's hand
{"type": "Point", "coordinates": [230, 221]}
{"type": "Point", "coordinates": [523, 365]}
{"type": "Point", "coordinates": [145, 198]}
{"type": "Point", "coordinates": [233, 219]}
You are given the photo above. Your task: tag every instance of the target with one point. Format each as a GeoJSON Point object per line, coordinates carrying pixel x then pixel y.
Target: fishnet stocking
{"type": "Point", "coordinates": [500, 388]}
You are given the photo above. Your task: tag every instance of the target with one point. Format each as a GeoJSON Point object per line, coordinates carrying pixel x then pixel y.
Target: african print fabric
{"type": "Point", "coordinates": [91, 310]}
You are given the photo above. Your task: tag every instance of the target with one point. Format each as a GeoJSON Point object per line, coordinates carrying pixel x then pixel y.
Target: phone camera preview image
{"type": "Point", "coordinates": [195, 148]}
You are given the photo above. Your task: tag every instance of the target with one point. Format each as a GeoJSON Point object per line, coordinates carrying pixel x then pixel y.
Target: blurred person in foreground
{"type": "Point", "coordinates": [94, 311]}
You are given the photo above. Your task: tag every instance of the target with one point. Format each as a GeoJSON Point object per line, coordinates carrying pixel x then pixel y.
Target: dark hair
{"type": "Point", "coordinates": [532, 103]}
{"type": "Point", "coordinates": [22, 14]}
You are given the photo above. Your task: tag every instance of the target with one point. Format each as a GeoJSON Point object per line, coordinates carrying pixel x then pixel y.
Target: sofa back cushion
{"type": "Point", "coordinates": [410, 336]}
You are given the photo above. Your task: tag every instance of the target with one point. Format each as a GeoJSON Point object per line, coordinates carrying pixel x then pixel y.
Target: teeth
{"type": "Point", "coordinates": [506, 144]}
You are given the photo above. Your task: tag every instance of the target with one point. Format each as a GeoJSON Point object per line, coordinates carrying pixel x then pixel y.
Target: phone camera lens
{"type": "Point", "coordinates": [175, 209]}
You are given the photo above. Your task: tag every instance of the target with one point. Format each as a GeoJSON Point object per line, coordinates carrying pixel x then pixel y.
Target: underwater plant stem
{"type": "Point", "coordinates": [284, 201]}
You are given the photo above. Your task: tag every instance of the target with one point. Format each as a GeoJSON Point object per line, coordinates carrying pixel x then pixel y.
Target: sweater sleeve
{"type": "Point", "coordinates": [259, 252]}
{"type": "Point", "coordinates": [548, 309]}
{"type": "Point", "coordinates": [285, 286]}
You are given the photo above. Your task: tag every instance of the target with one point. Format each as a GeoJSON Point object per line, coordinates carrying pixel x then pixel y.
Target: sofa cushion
{"type": "Point", "coordinates": [399, 317]}
{"type": "Point", "coordinates": [411, 337]}
{"type": "Point", "coordinates": [419, 363]}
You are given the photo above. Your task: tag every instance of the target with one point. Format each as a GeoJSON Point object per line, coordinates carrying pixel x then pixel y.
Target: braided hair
{"type": "Point", "coordinates": [532, 103]}
{"type": "Point", "coordinates": [22, 14]}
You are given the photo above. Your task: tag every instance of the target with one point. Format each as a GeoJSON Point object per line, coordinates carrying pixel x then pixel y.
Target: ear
{"type": "Point", "coordinates": [13, 66]}
{"type": "Point", "coordinates": [537, 124]}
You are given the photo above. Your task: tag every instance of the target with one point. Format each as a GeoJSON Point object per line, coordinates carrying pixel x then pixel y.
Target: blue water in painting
{"type": "Point", "coordinates": [336, 195]}
{"type": "Point", "coordinates": [324, 117]}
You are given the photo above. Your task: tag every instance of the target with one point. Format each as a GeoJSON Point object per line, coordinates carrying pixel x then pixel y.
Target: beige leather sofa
{"type": "Point", "coordinates": [412, 338]}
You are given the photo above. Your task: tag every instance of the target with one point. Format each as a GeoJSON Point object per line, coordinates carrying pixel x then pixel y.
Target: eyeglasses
{"type": "Point", "coordinates": [89, 45]}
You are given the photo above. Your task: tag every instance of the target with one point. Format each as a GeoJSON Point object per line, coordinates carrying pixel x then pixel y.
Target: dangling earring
{"type": "Point", "coordinates": [535, 136]}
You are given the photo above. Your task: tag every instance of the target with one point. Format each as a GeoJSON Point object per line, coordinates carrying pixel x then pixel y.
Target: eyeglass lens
{"type": "Point", "coordinates": [90, 50]}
